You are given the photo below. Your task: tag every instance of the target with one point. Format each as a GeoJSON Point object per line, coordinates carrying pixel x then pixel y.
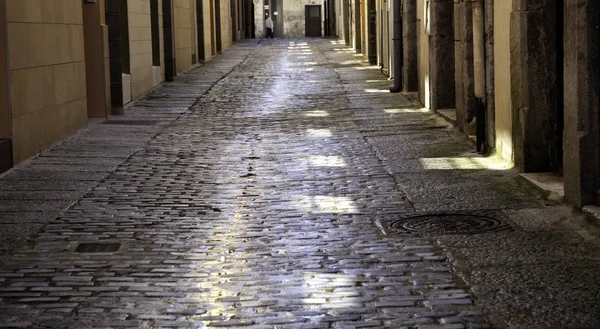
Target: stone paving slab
{"type": "Point", "coordinates": [265, 202]}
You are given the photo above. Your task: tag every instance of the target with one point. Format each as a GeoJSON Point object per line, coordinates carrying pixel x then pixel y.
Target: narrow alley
{"type": "Point", "coordinates": [280, 185]}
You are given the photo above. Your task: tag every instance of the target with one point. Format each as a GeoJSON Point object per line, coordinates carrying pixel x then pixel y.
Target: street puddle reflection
{"type": "Point", "coordinates": [316, 113]}
{"type": "Point", "coordinates": [333, 289]}
{"type": "Point", "coordinates": [319, 132]}
{"type": "Point", "coordinates": [377, 90]}
{"type": "Point", "coordinates": [330, 204]}
{"type": "Point", "coordinates": [489, 163]}
{"type": "Point", "coordinates": [351, 62]}
{"type": "Point", "coordinates": [364, 68]}
{"type": "Point", "coordinates": [326, 161]}
{"type": "Point", "coordinates": [411, 110]}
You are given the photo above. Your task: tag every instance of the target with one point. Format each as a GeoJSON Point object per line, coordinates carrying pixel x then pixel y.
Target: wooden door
{"type": "Point", "coordinates": [313, 21]}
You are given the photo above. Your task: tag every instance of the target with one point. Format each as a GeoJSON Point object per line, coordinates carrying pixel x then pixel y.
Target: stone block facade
{"type": "Point", "coordinates": [540, 105]}
{"type": "Point", "coordinates": [62, 62]}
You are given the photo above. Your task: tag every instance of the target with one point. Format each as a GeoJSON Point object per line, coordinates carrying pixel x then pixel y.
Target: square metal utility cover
{"type": "Point", "coordinates": [98, 247]}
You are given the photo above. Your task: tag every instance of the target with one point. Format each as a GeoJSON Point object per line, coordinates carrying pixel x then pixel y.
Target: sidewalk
{"type": "Point", "coordinates": [37, 191]}
{"type": "Point", "coordinates": [280, 185]}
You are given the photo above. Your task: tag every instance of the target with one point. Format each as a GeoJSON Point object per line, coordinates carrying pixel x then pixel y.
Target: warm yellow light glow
{"type": "Point", "coordinates": [363, 68]}
{"type": "Point", "coordinates": [316, 113]}
{"type": "Point", "coordinates": [489, 163]}
{"type": "Point", "coordinates": [326, 161]}
{"type": "Point", "coordinates": [331, 204]}
{"type": "Point", "coordinates": [394, 111]}
{"type": "Point", "coordinates": [371, 90]}
{"type": "Point", "coordinates": [323, 286]}
{"type": "Point", "coordinates": [427, 92]}
{"type": "Point", "coordinates": [319, 132]}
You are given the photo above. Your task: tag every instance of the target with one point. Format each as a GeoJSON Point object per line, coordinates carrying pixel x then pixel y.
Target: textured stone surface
{"type": "Point", "coordinates": [264, 204]}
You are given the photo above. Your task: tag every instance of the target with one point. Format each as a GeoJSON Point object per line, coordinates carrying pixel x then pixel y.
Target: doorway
{"type": "Point", "coordinates": [312, 16]}
{"type": "Point", "coordinates": [168, 40]}
{"type": "Point", "coordinates": [6, 161]}
{"type": "Point", "coordinates": [330, 30]}
{"type": "Point", "coordinates": [118, 45]}
{"type": "Point", "coordinates": [200, 24]}
{"type": "Point", "coordinates": [357, 26]}
{"type": "Point", "coordinates": [557, 120]}
{"type": "Point", "coordinates": [372, 21]}
{"type": "Point", "coordinates": [213, 50]}
{"type": "Point", "coordinates": [218, 25]}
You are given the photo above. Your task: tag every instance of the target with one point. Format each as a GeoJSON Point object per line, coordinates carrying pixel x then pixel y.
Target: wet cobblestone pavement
{"type": "Point", "coordinates": [258, 192]}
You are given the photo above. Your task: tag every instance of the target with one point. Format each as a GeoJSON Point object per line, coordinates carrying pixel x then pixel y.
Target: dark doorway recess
{"type": "Point", "coordinates": [168, 40]}
{"type": "Point", "coordinates": [250, 26]}
{"type": "Point", "coordinates": [233, 5]}
{"type": "Point", "coordinates": [155, 29]}
{"type": "Point", "coordinates": [6, 160]}
{"type": "Point", "coordinates": [557, 124]}
{"type": "Point", "coordinates": [372, 21]}
{"type": "Point", "coordinates": [357, 23]}
{"type": "Point", "coordinates": [113, 20]}
{"type": "Point", "coordinates": [218, 24]}
{"type": "Point", "coordinates": [330, 18]}
{"type": "Point", "coordinates": [200, 34]}
{"type": "Point", "coordinates": [347, 15]}
{"type": "Point", "coordinates": [124, 27]}
{"type": "Point", "coordinates": [313, 21]}
{"type": "Point", "coordinates": [213, 50]}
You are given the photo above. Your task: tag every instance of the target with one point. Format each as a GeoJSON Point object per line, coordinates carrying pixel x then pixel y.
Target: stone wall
{"type": "Point", "coordinates": [435, 46]}
{"type": "Point", "coordinates": [47, 70]}
{"type": "Point", "coordinates": [294, 17]}
{"type": "Point", "coordinates": [410, 75]}
{"type": "Point", "coordinates": [96, 59]}
{"type": "Point", "coordinates": [502, 89]}
{"type": "Point", "coordinates": [140, 46]}
{"type": "Point", "coordinates": [534, 84]}
{"type": "Point", "coordinates": [183, 23]}
{"type": "Point", "coordinates": [5, 117]}
{"type": "Point", "coordinates": [582, 102]}
{"type": "Point", "coordinates": [226, 32]}
{"type": "Point", "coordinates": [463, 60]}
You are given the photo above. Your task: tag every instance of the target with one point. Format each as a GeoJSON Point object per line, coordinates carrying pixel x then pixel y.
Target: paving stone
{"type": "Point", "coordinates": [256, 200]}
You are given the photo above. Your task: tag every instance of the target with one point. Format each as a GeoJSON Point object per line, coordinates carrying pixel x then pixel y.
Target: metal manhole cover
{"type": "Point", "coordinates": [444, 223]}
{"type": "Point", "coordinates": [131, 122]}
{"type": "Point", "coordinates": [97, 247]}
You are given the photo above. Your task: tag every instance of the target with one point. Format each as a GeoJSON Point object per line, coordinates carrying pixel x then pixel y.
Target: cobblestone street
{"type": "Point", "coordinates": [259, 191]}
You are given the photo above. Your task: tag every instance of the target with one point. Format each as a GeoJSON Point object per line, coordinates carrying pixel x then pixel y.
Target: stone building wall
{"type": "Point", "coordinates": [140, 46]}
{"type": "Point", "coordinates": [502, 100]}
{"type": "Point", "coordinates": [226, 32]}
{"type": "Point", "coordinates": [183, 24]}
{"type": "Point", "coordinates": [47, 72]}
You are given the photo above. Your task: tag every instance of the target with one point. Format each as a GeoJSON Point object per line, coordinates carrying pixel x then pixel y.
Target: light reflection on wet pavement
{"type": "Point", "coordinates": [257, 208]}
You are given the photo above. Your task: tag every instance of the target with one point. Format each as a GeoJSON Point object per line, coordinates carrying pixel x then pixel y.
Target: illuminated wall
{"type": "Point", "coordinates": [504, 143]}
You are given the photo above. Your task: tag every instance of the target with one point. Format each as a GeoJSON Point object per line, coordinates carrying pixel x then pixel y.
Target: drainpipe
{"type": "Point", "coordinates": [479, 72]}
{"type": "Point", "coordinates": [398, 51]}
